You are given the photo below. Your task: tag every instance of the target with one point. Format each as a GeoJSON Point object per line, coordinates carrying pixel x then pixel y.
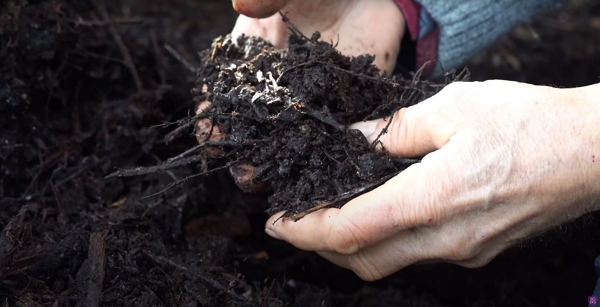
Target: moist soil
{"type": "Point", "coordinates": [283, 117]}
{"type": "Point", "coordinates": [88, 88]}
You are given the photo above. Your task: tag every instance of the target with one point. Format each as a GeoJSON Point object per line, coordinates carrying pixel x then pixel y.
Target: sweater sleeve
{"type": "Point", "coordinates": [467, 26]}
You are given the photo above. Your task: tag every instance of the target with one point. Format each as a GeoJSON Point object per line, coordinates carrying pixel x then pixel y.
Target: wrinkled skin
{"type": "Point", "coordinates": [357, 27]}
{"type": "Point", "coordinates": [504, 161]}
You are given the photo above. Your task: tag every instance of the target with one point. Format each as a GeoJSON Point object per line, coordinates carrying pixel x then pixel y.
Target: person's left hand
{"type": "Point", "coordinates": [357, 27]}
{"type": "Point", "coordinates": [504, 161]}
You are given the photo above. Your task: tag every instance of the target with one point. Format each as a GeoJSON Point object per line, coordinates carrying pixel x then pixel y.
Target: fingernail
{"type": "Point", "coordinates": [273, 234]}
{"type": "Point", "coordinates": [367, 127]}
{"type": "Point", "coordinates": [258, 9]}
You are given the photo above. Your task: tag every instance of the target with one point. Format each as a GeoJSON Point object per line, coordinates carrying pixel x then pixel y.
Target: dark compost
{"type": "Point", "coordinates": [85, 86]}
{"type": "Point", "coordinates": [286, 113]}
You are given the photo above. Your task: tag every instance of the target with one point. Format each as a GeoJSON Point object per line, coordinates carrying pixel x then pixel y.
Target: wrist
{"type": "Point", "coordinates": [585, 101]}
{"type": "Point", "coordinates": [586, 125]}
{"type": "Point", "coordinates": [590, 96]}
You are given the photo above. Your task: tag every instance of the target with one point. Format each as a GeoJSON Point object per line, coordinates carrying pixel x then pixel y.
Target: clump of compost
{"type": "Point", "coordinates": [286, 113]}
{"type": "Point", "coordinates": [282, 116]}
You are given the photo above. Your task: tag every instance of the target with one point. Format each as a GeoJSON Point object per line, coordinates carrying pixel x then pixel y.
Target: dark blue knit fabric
{"type": "Point", "coordinates": [467, 26]}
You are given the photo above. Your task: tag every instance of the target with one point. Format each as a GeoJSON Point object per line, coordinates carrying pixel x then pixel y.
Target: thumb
{"type": "Point", "coordinates": [413, 131]}
{"type": "Point", "coordinates": [258, 8]}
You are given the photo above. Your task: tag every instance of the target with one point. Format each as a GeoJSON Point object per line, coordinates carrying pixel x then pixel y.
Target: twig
{"type": "Point", "coordinates": [359, 75]}
{"type": "Point", "coordinates": [383, 131]}
{"type": "Point", "coordinates": [181, 59]}
{"type": "Point", "coordinates": [185, 153]}
{"type": "Point", "coordinates": [374, 79]}
{"type": "Point", "coordinates": [180, 160]}
{"type": "Point", "coordinates": [100, 23]}
{"type": "Point", "coordinates": [138, 171]}
{"type": "Point", "coordinates": [159, 63]}
{"type": "Point", "coordinates": [387, 126]}
{"type": "Point", "coordinates": [92, 271]}
{"type": "Point", "coordinates": [188, 122]}
{"type": "Point", "coordinates": [349, 158]}
{"type": "Point", "coordinates": [178, 182]}
{"type": "Point", "coordinates": [342, 197]}
{"type": "Point", "coordinates": [292, 68]}
{"type": "Point", "coordinates": [292, 27]}
{"type": "Point", "coordinates": [44, 165]}
{"type": "Point", "coordinates": [325, 118]}
{"type": "Point", "coordinates": [128, 60]}
{"type": "Point", "coordinates": [153, 294]}
{"type": "Point", "coordinates": [463, 75]}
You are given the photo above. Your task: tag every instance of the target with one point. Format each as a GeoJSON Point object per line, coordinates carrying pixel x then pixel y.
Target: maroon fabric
{"type": "Point", "coordinates": [411, 10]}
{"type": "Point", "coordinates": [427, 46]}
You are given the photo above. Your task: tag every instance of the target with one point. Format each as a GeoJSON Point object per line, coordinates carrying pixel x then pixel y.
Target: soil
{"type": "Point", "coordinates": [286, 114]}
{"type": "Point", "coordinates": [83, 83]}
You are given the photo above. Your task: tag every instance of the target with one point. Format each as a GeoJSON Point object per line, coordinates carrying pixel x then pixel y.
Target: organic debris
{"type": "Point", "coordinates": [286, 114]}
{"type": "Point", "coordinates": [71, 112]}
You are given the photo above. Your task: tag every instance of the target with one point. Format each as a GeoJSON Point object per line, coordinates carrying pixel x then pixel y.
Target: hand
{"type": "Point", "coordinates": [504, 161]}
{"type": "Point", "coordinates": [357, 26]}
{"type": "Point", "coordinates": [206, 131]}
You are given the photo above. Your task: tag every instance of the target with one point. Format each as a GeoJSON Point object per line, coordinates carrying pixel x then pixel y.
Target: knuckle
{"type": "Point", "coordinates": [457, 93]}
{"type": "Point", "coordinates": [459, 254]}
{"type": "Point", "coordinates": [459, 250]}
{"type": "Point", "coordinates": [343, 237]}
{"type": "Point", "coordinates": [397, 133]}
{"type": "Point", "coordinates": [455, 88]}
{"type": "Point", "coordinates": [435, 117]}
{"type": "Point", "coordinates": [364, 268]}
{"type": "Point", "coordinates": [475, 262]}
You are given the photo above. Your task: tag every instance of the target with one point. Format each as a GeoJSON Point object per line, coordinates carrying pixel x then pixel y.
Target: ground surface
{"type": "Point", "coordinates": [81, 84]}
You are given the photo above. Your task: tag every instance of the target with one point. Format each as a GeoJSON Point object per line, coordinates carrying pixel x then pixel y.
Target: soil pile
{"type": "Point", "coordinates": [81, 83]}
{"type": "Point", "coordinates": [72, 111]}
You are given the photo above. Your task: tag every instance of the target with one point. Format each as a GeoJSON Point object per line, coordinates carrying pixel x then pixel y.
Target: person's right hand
{"type": "Point", "coordinates": [504, 161]}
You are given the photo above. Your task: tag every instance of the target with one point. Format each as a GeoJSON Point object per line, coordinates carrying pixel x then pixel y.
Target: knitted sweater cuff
{"type": "Point", "coordinates": [467, 26]}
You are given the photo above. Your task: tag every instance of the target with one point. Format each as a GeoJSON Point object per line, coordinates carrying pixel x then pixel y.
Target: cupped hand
{"type": "Point", "coordinates": [357, 26]}
{"type": "Point", "coordinates": [504, 161]}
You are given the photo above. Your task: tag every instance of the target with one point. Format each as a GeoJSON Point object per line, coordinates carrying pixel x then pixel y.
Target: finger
{"type": "Point", "coordinates": [415, 246]}
{"type": "Point", "coordinates": [205, 131]}
{"type": "Point", "coordinates": [408, 200]}
{"type": "Point", "coordinates": [242, 174]}
{"type": "Point", "coordinates": [272, 29]}
{"type": "Point", "coordinates": [409, 247]}
{"type": "Point", "coordinates": [413, 131]}
{"type": "Point", "coordinates": [258, 8]}
{"type": "Point", "coordinates": [382, 259]}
